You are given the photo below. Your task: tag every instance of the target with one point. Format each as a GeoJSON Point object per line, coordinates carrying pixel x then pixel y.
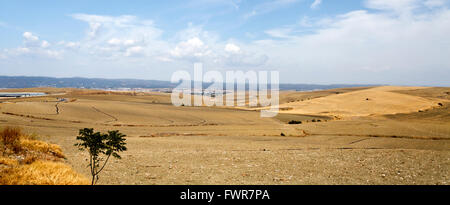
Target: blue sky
{"type": "Point", "coordinates": [403, 42]}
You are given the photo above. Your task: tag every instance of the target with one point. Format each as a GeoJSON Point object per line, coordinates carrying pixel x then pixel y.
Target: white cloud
{"type": "Point", "coordinates": [134, 51]}
{"type": "Point", "coordinates": [363, 42]}
{"type": "Point", "coordinates": [434, 3]}
{"type": "Point", "coordinates": [244, 60]}
{"type": "Point", "coordinates": [316, 4]}
{"type": "Point", "coordinates": [251, 14]}
{"type": "Point", "coordinates": [164, 59]}
{"type": "Point", "coordinates": [241, 55]}
{"type": "Point", "coordinates": [198, 45]}
{"type": "Point", "coordinates": [193, 31]}
{"type": "Point", "coordinates": [115, 41]}
{"type": "Point", "coordinates": [30, 37]}
{"type": "Point", "coordinates": [279, 32]}
{"type": "Point", "coordinates": [195, 44]}
{"type": "Point", "coordinates": [114, 37]}
{"type": "Point", "coordinates": [45, 44]}
{"type": "Point", "coordinates": [363, 46]}
{"type": "Point", "coordinates": [206, 3]}
{"type": "Point", "coordinates": [232, 48]}
{"type": "Point", "coordinates": [23, 50]}
{"type": "Point", "coordinates": [32, 47]}
{"type": "Point", "coordinates": [69, 45]}
{"type": "Point", "coordinates": [268, 7]}
{"type": "Point", "coordinates": [121, 42]}
{"type": "Point", "coordinates": [72, 44]}
{"type": "Point", "coordinates": [133, 41]}
{"type": "Point", "coordinates": [30, 40]}
{"type": "Point", "coordinates": [193, 47]}
{"type": "Point", "coordinates": [97, 23]}
{"type": "Point", "coordinates": [395, 5]}
{"type": "Point", "coordinates": [128, 42]}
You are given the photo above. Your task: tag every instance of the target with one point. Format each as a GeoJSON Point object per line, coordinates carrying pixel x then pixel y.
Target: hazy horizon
{"type": "Point", "coordinates": [285, 83]}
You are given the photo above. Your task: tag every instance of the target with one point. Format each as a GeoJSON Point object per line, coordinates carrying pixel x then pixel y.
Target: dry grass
{"type": "Point", "coordinates": [42, 173]}
{"type": "Point", "coordinates": [10, 137]}
{"type": "Point", "coordinates": [16, 142]}
{"type": "Point", "coordinates": [42, 147]}
{"type": "Point", "coordinates": [8, 161]}
{"type": "Point", "coordinates": [26, 160]}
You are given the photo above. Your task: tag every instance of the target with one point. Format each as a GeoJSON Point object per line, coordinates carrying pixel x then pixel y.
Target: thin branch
{"type": "Point", "coordinates": [92, 169]}
{"type": "Point", "coordinates": [104, 164]}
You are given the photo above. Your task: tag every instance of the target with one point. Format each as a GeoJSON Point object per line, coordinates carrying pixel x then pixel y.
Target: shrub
{"type": "Point", "coordinates": [98, 144]}
{"type": "Point", "coordinates": [294, 122]}
{"type": "Point", "coordinates": [10, 137]}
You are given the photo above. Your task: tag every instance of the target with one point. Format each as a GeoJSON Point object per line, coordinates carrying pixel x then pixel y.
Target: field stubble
{"type": "Point", "coordinates": [211, 145]}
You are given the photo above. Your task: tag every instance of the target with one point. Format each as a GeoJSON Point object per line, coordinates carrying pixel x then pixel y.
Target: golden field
{"type": "Point", "coordinates": [370, 135]}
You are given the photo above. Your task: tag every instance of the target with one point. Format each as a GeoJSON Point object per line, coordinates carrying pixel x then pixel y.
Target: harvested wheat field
{"type": "Point", "coordinates": [370, 135]}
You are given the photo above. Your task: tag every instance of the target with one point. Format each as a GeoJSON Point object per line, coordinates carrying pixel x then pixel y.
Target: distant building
{"type": "Point", "coordinates": [20, 95]}
{"type": "Point", "coordinates": [61, 99]}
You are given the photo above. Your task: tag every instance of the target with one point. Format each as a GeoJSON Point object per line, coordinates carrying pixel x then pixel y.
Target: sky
{"type": "Point", "coordinates": [396, 42]}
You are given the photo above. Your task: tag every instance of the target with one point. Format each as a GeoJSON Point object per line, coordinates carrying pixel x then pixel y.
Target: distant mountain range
{"type": "Point", "coordinates": [29, 82]}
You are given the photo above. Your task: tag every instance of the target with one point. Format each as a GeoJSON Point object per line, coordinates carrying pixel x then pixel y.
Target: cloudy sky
{"type": "Point", "coordinates": [401, 42]}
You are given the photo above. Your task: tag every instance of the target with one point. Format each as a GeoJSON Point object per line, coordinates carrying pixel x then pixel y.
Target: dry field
{"type": "Point", "coordinates": [371, 135]}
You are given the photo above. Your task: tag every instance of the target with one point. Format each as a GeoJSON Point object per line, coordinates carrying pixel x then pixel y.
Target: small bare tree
{"type": "Point", "coordinates": [99, 146]}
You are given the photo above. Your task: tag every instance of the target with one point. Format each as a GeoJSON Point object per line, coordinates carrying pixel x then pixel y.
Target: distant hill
{"type": "Point", "coordinates": [30, 82]}
{"type": "Point", "coordinates": [307, 87]}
